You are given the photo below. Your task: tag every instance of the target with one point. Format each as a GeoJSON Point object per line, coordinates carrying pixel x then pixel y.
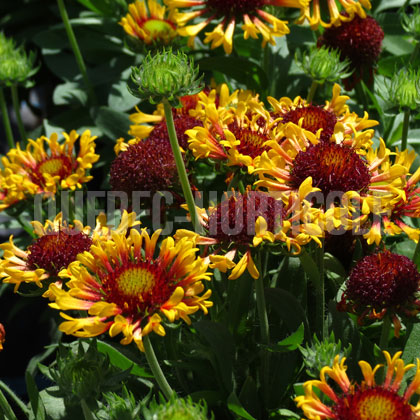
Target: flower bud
{"type": "Point", "coordinates": [165, 76]}
{"type": "Point", "coordinates": [403, 90]}
{"type": "Point", "coordinates": [411, 22]}
{"type": "Point", "coordinates": [323, 64]}
{"type": "Point", "coordinates": [322, 353]}
{"type": "Point", "coordinates": [176, 409]}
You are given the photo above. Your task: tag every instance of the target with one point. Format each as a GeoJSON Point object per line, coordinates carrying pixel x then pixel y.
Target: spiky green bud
{"type": "Point", "coordinates": [411, 22]}
{"type": "Point", "coordinates": [166, 76]}
{"type": "Point", "coordinates": [84, 373]}
{"type": "Point", "coordinates": [323, 64]}
{"type": "Point", "coordinates": [124, 407]}
{"type": "Point", "coordinates": [403, 90]}
{"type": "Point", "coordinates": [322, 353]}
{"type": "Point", "coordinates": [16, 66]}
{"type": "Point", "coordinates": [176, 409]}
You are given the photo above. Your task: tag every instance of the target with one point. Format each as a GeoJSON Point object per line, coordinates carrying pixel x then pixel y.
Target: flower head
{"type": "Point", "coordinates": [242, 222]}
{"type": "Point", "coordinates": [382, 284]}
{"type": "Point", "coordinates": [126, 284]}
{"type": "Point", "coordinates": [149, 24]}
{"type": "Point", "coordinates": [359, 40]}
{"type": "Point", "coordinates": [367, 400]}
{"type": "Point", "coordinates": [166, 76]}
{"type": "Point", "coordinates": [2, 336]}
{"type": "Point", "coordinates": [56, 246]}
{"type": "Point", "coordinates": [40, 171]}
{"type": "Point", "coordinates": [313, 12]}
{"type": "Point", "coordinates": [255, 21]}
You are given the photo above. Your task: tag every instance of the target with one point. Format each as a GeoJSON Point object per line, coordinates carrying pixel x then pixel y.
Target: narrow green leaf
{"type": "Point", "coordinates": [235, 406]}
{"type": "Point", "coordinates": [290, 343]}
{"type": "Point", "coordinates": [121, 361]}
{"type": "Point", "coordinates": [310, 267]}
{"type": "Point", "coordinates": [6, 408]}
{"type": "Point", "coordinates": [34, 398]}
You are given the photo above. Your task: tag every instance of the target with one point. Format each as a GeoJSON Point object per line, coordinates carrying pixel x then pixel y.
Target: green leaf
{"type": "Point", "coordinates": [222, 346]}
{"type": "Point", "coordinates": [121, 361]}
{"type": "Point", "coordinates": [288, 308]}
{"type": "Point", "coordinates": [310, 267]}
{"type": "Point", "coordinates": [54, 406]}
{"type": "Point", "coordinates": [34, 398]}
{"type": "Point", "coordinates": [6, 408]}
{"type": "Point", "coordinates": [114, 124]}
{"type": "Point", "coordinates": [290, 343]}
{"type": "Point", "coordinates": [244, 71]}
{"type": "Point", "coordinates": [120, 99]}
{"type": "Point", "coordinates": [236, 407]}
{"type": "Point", "coordinates": [412, 346]}
{"type": "Point", "coordinates": [70, 93]}
{"type": "Point", "coordinates": [334, 265]}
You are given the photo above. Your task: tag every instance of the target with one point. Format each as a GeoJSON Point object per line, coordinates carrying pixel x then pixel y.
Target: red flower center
{"type": "Point", "coordinates": [314, 118]}
{"type": "Point", "coordinates": [234, 219]}
{"type": "Point", "coordinates": [137, 287]}
{"type": "Point", "coordinates": [373, 404]}
{"type": "Point", "coordinates": [56, 250]}
{"type": "Point", "coordinates": [383, 280]}
{"type": "Point", "coordinates": [332, 168]}
{"type": "Point", "coordinates": [252, 141]}
{"type": "Point", "coordinates": [234, 9]}
{"type": "Point", "coordinates": [61, 166]}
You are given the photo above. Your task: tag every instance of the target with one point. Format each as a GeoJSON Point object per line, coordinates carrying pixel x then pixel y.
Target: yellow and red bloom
{"type": "Point", "coordinates": [366, 177]}
{"type": "Point", "coordinates": [367, 400]}
{"type": "Point", "coordinates": [239, 224]}
{"type": "Point", "coordinates": [382, 284]}
{"type": "Point", "coordinates": [228, 14]}
{"type": "Point", "coordinates": [150, 24]}
{"type": "Point", "coordinates": [126, 288]}
{"type": "Point", "coordinates": [335, 120]}
{"type": "Point", "coordinates": [56, 246]}
{"type": "Point", "coordinates": [360, 41]}
{"type": "Point", "coordinates": [312, 12]}
{"type": "Point", "coordinates": [40, 171]}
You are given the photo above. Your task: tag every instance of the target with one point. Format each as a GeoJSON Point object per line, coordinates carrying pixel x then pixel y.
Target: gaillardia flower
{"type": "Point", "coordinates": [367, 400]}
{"type": "Point", "coordinates": [239, 224]}
{"type": "Point", "coordinates": [149, 24]}
{"type": "Point", "coordinates": [312, 12]}
{"type": "Point", "coordinates": [125, 287]}
{"type": "Point", "coordinates": [382, 284]}
{"type": "Point", "coordinates": [354, 176]}
{"type": "Point", "coordinates": [360, 41]}
{"type": "Point", "coordinates": [334, 121]}
{"type": "Point", "coordinates": [56, 246]}
{"type": "Point", "coordinates": [40, 171]}
{"type": "Point", "coordinates": [229, 14]}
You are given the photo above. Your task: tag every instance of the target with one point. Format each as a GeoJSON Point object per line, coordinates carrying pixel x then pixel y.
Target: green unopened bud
{"type": "Point", "coordinates": [323, 64]}
{"type": "Point", "coordinates": [166, 76]}
{"type": "Point", "coordinates": [16, 67]}
{"type": "Point", "coordinates": [411, 22]}
{"type": "Point", "coordinates": [176, 409]}
{"type": "Point", "coordinates": [322, 353]}
{"type": "Point", "coordinates": [403, 91]}
{"type": "Point", "coordinates": [124, 407]}
{"type": "Point", "coordinates": [84, 374]}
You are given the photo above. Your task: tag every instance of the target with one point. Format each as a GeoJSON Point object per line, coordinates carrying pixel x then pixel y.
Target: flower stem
{"type": "Point", "coordinates": [417, 254]}
{"type": "Point", "coordinates": [404, 135]}
{"type": "Point", "coordinates": [16, 107]}
{"type": "Point", "coordinates": [156, 370]}
{"type": "Point", "coordinates": [320, 294]}
{"type": "Point", "coordinates": [386, 326]}
{"type": "Point", "coordinates": [6, 120]}
{"type": "Point", "coordinates": [312, 91]}
{"type": "Point", "coordinates": [182, 173]}
{"type": "Point", "coordinates": [76, 50]}
{"type": "Point", "coordinates": [264, 326]}
{"type": "Point", "coordinates": [14, 397]}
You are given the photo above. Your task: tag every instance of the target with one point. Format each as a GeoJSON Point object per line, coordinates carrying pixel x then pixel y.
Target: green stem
{"type": "Point", "coordinates": [16, 107]}
{"type": "Point", "coordinates": [386, 326]}
{"type": "Point", "coordinates": [312, 91]}
{"type": "Point", "coordinates": [182, 173]}
{"type": "Point", "coordinates": [6, 120]}
{"type": "Point", "coordinates": [13, 397]}
{"type": "Point", "coordinates": [156, 370]}
{"type": "Point", "coordinates": [320, 294]}
{"type": "Point", "coordinates": [76, 50]}
{"type": "Point", "coordinates": [417, 254]}
{"type": "Point", "coordinates": [404, 135]}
